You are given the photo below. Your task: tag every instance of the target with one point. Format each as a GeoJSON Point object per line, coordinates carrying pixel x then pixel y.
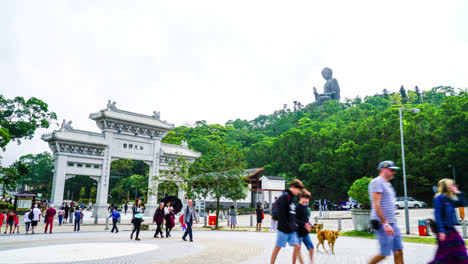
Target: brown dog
{"type": "Point", "coordinates": [331, 236]}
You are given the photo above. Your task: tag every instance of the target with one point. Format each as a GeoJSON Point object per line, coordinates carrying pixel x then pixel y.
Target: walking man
{"type": "Point", "coordinates": [189, 216]}
{"type": "Point", "coordinates": [50, 213]}
{"type": "Point", "coordinates": [125, 207]}
{"type": "Point", "coordinates": [285, 213]}
{"type": "Point", "coordinates": [115, 217]}
{"type": "Point", "coordinates": [382, 196]}
{"type": "Point", "coordinates": [36, 217]}
{"type": "Point", "coordinates": [78, 215]}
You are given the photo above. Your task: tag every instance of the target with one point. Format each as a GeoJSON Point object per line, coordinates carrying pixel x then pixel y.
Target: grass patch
{"type": "Point", "coordinates": [421, 240]}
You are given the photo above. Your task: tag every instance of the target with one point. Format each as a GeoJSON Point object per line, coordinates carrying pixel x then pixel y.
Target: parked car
{"type": "Point", "coordinates": [412, 203]}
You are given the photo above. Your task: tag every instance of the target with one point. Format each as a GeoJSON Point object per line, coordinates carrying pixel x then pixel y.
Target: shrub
{"type": "Point", "coordinates": [3, 206]}
{"type": "Point", "coordinates": [359, 192]}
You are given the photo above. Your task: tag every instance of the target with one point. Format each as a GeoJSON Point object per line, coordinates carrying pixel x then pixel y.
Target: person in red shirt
{"type": "Point", "coordinates": [10, 221]}
{"type": "Point", "coordinates": [16, 224]}
{"type": "Point", "coordinates": [50, 213]}
{"type": "Point", "coordinates": [2, 219]}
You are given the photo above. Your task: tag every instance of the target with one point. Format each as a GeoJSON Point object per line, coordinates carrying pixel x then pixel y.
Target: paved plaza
{"type": "Point", "coordinates": [209, 247]}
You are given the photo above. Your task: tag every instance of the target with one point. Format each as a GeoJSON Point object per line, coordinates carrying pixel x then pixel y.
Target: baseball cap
{"type": "Point", "coordinates": [388, 164]}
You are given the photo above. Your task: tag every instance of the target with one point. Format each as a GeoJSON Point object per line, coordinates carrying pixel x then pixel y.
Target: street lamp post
{"type": "Point", "coordinates": [453, 172]}
{"type": "Point", "coordinates": [414, 110]}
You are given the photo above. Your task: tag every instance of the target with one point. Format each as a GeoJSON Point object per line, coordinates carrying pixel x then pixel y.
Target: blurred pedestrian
{"type": "Point", "coordinates": [382, 196]}
{"type": "Point", "coordinates": [16, 227]}
{"type": "Point", "coordinates": [158, 218]}
{"type": "Point", "coordinates": [169, 215]}
{"type": "Point", "coordinates": [10, 220]}
{"type": "Point", "coordinates": [36, 217]}
{"type": "Point", "coordinates": [303, 225]}
{"type": "Point", "coordinates": [273, 223]}
{"type": "Point", "coordinates": [260, 216]}
{"type": "Point", "coordinates": [137, 219]}
{"type": "Point", "coordinates": [115, 218]}
{"type": "Point", "coordinates": [61, 214]}
{"type": "Point", "coordinates": [49, 217]}
{"type": "Point", "coordinates": [27, 221]}
{"type": "Point", "coordinates": [190, 216]}
{"type": "Point", "coordinates": [451, 247]}
{"type": "Point", "coordinates": [78, 215]}
{"type": "Point", "coordinates": [125, 207]}
{"type": "Point", "coordinates": [67, 211]}
{"type": "Point", "coordinates": [2, 219]}
{"type": "Point", "coordinates": [233, 215]}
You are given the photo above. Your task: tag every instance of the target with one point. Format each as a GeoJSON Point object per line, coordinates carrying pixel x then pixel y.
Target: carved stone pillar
{"type": "Point", "coordinates": [103, 186]}
{"type": "Point", "coordinates": [153, 181]}
{"type": "Point", "coordinates": [58, 183]}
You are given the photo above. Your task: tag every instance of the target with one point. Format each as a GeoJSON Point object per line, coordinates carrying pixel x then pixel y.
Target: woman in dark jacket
{"type": "Point", "coordinates": [451, 247]}
{"type": "Point", "coordinates": [259, 213]}
{"type": "Point", "coordinates": [137, 218]}
{"type": "Point", "coordinates": [158, 218]}
{"type": "Point", "coordinates": [169, 215]}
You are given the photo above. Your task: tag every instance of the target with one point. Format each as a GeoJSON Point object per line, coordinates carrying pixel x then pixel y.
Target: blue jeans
{"type": "Point", "coordinates": [307, 242]}
{"type": "Point", "coordinates": [188, 231]}
{"type": "Point", "coordinates": [77, 224]}
{"type": "Point", "coordinates": [60, 219]}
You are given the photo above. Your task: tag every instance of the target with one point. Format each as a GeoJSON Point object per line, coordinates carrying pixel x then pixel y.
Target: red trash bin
{"type": "Point", "coordinates": [422, 227]}
{"type": "Point", "coordinates": [212, 219]}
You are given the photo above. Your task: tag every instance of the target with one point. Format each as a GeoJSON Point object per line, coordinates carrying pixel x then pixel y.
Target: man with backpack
{"type": "Point", "coordinates": [284, 211]}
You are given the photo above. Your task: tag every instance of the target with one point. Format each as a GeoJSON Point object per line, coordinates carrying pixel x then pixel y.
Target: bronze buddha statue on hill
{"type": "Point", "coordinates": [331, 88]}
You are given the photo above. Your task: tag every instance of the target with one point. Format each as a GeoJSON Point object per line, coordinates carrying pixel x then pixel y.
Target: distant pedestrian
{"type": "Point", "coordinates": [273, 223]}
{"type": "Point", "coordinates": [137, 219]}
{"type": "Point", "coordinates": [10, 220]}
{"type": "Point", "coordinates": [67, 211]}
{"type": "Point", "coordinates": [36, 217]}
{"type": "Point", "coordinates": [303, 225]}
{"type": "Point", "coordinates": [190, 216]}
{"type": "Point", "coordinates": [158, 218]}
{"type": "Point", "coordinates": [382, 196]}
{"type": "Point", "coordinates": [126, 208]}
{"type": "Point", "coordinates": [233, 215]}
{"type": "Point", "coordinates": [27, 221]}
{"type": "Point", "coordinates": [78, 214]}
{"type": "Point", "coordinates": [61, 213]}
{"type": "Point", "coordinates": [2, 219]}
{"type": "Point", "coordinates": [169, 215]}
{"type": "Point", "coordinates": [43, 207]}
{"type": "Point", "coordinates": [260, 216]}
{"type": "Point", "coordinates": [115, 218]}
{"type": "Point", "coordinates": [16, 227]}
{"type": "Point", "coordinates": [287, 228]}
{"type": "Point", "coordinates": [451, 247]}
{"type": "Point", "coordinates": [50, 213]}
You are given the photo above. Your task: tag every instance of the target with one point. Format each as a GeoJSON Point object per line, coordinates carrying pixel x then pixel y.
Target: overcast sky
{"type": "Point", "coordinates": [220, 60]}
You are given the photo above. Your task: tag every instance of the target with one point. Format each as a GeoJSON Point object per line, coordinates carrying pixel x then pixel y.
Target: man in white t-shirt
{"type": "Point", "coordinates": [37, 217]}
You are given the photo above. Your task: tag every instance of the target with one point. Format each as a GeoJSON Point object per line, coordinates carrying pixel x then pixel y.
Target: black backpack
{"type": "Point", "coordinates": [31, 215]}
{"type": "Point", "coordinates": [275, 209]}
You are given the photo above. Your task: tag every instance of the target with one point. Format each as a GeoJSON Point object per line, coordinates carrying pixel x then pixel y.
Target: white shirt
{"type": "Point", "coordinates": [36, 213]}
{"type": "Point", "coordinates": [26, 217]}
{"type": "Point", "coordinates": [166, 210]}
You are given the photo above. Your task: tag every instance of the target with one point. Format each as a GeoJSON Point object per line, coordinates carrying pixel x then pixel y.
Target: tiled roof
{"type": "Point", "coordinates": [73, 135]}
{"type": "Point", "coordinates": [130, 117]}
{"type": "Point", "coordinates": [171, 149]}
{"type": "Point", "coordinates": [251, 172]}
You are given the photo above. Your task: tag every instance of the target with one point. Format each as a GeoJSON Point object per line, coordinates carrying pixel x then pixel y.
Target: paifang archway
{"type": "Point", "coordinates": [124, 135]}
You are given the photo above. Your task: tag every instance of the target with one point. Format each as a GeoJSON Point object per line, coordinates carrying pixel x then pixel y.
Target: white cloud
{"type": "Point", "coordinates": [217, 60]}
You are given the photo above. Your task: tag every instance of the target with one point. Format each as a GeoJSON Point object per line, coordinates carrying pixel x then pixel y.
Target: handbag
{"type": "Point", "coordinates": [375, 224]}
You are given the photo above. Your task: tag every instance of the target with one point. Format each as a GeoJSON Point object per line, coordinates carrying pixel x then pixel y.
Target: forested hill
{"type": "Point", "coordinates": [329, 147]}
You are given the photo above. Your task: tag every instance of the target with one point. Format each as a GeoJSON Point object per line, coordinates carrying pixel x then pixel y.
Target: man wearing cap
{"type": "Point", "coordinates": [382, 196]}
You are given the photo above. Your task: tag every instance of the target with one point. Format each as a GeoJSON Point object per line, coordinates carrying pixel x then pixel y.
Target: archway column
{"type": "Point", "coordinates": [153, 176]}
{"type": "Point", "coordinates": [102, 191]}
{"type": "Point", "coordinates": [58, 183]}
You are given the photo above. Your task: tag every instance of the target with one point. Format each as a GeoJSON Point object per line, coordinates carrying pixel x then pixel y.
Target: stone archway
{"type": "Point", "coordinates": [124, 135]}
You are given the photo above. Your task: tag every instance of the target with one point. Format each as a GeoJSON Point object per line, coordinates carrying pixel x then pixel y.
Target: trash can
{"type": "Point", "coordinates": [211, 219]}
{"type": "Point", "coordinates": [422, 227]}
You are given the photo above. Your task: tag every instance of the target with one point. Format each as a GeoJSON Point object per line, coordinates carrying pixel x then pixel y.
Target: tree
{"type": "Point", "coordinates": [404, 96]}
{"type": "Point", "coordinates": [40, 172]}
{"type": "Point", "coordinates": [19, 118]}
{"type": "Point", "coordinates": [231, 185]}
{"type": "Point", "coordinates": [171, 179]}
{"type": "Point", "coordinates": [359, 191]}
{"type": "Point", "coordinates": [218, 174]}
